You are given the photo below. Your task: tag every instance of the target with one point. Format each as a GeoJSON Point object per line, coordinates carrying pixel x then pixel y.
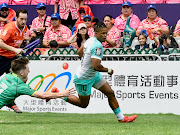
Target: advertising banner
{"type": "Point", "coordinates": [140, 87]}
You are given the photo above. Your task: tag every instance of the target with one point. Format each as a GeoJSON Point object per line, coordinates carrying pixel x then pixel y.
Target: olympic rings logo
{"type": "Point", "coordinates": [49, 86]}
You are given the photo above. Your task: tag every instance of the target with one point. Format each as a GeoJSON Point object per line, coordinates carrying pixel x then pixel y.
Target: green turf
{"type": "Point", "coordinates": [85, 124]}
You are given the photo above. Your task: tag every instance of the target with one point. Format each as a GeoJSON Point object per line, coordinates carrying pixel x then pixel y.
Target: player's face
{"type": "Point", "coordinates": [152, 14]}
{"type": "Point", "coordinates": [101, 34]}
{"type": "Point", "coordinates": [107, 22]}
{"type": "Point", "coordinates": [55, 22]}
{"type": "Point", "coordinates": [24, 74]}
{"type": "Point", "coordinates": [126, 10]}
{"type": "Point", "coordinates": [21, 20]}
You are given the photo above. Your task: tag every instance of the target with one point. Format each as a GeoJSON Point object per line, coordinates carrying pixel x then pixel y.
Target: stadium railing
{"type": "Point", "coordinates": [109, 54]}
{"type": "Point", "coordinates": [133, 57]}
{"type": "Point", "coordinates": [173, 57]}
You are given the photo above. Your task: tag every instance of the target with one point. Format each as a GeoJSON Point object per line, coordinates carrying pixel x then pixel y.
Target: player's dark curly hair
{"type": "Point", "coordinates": [19, 64]}
{"type": "Point", "coordinates": [99, 26]}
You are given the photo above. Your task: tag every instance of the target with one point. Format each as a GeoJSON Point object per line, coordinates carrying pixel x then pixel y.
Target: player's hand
{"type": "Point", "coordinates": [110, 71]}
{"type": "Point", "coordinates": [18, 51]}
{"type": "Point", "coordinates": [69, 92]}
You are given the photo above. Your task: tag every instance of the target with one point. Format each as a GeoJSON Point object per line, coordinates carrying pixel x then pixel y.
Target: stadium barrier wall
{"type": "Point", "coordinates": [140, 87]}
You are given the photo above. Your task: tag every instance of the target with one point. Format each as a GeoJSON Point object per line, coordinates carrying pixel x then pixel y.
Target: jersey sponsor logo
{"type": "Point", "coordinates": [18, 42]}
{"type": "Point", "coordinates": [98, 51]}
{"type": "Point", "coordinates": [4, 33]}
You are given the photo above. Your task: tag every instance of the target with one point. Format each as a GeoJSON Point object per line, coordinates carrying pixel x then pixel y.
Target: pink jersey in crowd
{"type": "Point", "coordinates": [91, 31]}
{"type": "Point", "coordinates": [120, 23]}
{"type": "Point", "coordinates": [136, 1]}
{"type": "Point", "coordinates": [19, 2]}
{"type": "Point", "coordinates": [172, 1]}
{"type": "Point", "coordinates": [37, 22]}
{"type": "Point", "coordinates": [157, 23]}
{"type": "Point", "coordinates": [114, 2]}
{"type": "Point", "coordinates": [62, 34]}
{"type": "Point", "coordinates": [66, 6]}
{"type": "Point", "coordinates": [95, 1]}
{"type": "Point", "coordinates": [177, 29]}
{"type": "Point", "coordinates": [155, 1]}
{"type": "Point", "coordinates": [35, 2]}
{"type": "Point", "coordinates": [114, 35]}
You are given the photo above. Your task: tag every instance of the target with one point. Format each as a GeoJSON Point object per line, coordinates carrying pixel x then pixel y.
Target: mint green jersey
{"type": "Point", "coordinates": [11, 86]}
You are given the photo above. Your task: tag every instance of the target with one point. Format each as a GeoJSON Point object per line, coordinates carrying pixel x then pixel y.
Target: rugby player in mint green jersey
{"type": "Point", "coordinates": [14, 84]}
{"type": "Point", "coordinates": [88, 75]}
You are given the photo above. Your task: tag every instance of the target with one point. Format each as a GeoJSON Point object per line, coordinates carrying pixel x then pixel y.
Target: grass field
{"type": "Point", "coordinates": [85, 124]}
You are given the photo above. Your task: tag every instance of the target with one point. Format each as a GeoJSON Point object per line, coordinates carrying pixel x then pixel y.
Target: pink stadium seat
{"type": "Point", "coordinates": [136, 1]}
{"type": "Point", "coordinates": [19, 2]}
{"type": "Point", "coordinates": [4, 1]}
{"type": "Point", "coordinates": [154, 1]}
{"type": "Point", "coordinates": [35, 2]}
{"type": "Point", "coordinates": [95, 1]}
{"type": "Point", "coordinates": [114, 2]}
{"type": "Point", "coordinates": [172, 1]}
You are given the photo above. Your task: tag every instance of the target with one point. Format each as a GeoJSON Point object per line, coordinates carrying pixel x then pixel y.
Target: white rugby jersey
{"type": "Point", "coordinates": [92, 49]}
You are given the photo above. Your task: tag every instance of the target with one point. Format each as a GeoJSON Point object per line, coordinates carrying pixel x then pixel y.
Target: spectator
{"type": "Point", "coordinates": [164, 41]}
{"type": "Point", "coordinates": [94, 21]}
{"type": "Point", "coordinates": [57, 32]}
{"type": "Point", "coordinates": [6, 15]}
{"type": "Point", "coordinates": [68, 10]}
{"type": "Point", "coordinates": [113, 35]}
{"type": "Point", "coordinates": [142, 38]}
{"type": "Point", "coordinates": [42, 22]}
{"type": "Point", "coordinates": [53, 46]}
{"type": "Point", "coordinates": [177, 29]}
{"type": "Point", "coordinates": [83, 10]}
{"type": "Point", "coordinates": [11, 38]}
{"type": "Point", "coordinates": [120, 21]}
{"type": "Point", "coordinates": [88, 22]}
{"type": "Point", "coordinates": [155, 24]}
{"type": "Point", "coordinates": [79, 38]}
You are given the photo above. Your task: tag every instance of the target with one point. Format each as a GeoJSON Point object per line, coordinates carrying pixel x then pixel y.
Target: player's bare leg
{"type": "Point", "coordinates": [106, 89]}
{"type": "Point", "coordinates": [82, 101]}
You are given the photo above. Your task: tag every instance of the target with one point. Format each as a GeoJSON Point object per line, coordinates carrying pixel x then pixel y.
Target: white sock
{"type": "Point", "coordinates": [120, 116]}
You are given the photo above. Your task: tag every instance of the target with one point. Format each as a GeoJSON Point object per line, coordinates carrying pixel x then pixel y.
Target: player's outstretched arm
{"type": "Point", "coordinates": [96, 65]}
{"type": "Point", "coordinates": [10, 48]}
{"type": "Point", "coordinates": [50, 95]}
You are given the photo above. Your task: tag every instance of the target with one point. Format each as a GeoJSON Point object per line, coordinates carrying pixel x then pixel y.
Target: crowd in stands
{"type": "Point", "coordinates": [51, 2]}
{"type": "Point", "coordinates": [74, 23]}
